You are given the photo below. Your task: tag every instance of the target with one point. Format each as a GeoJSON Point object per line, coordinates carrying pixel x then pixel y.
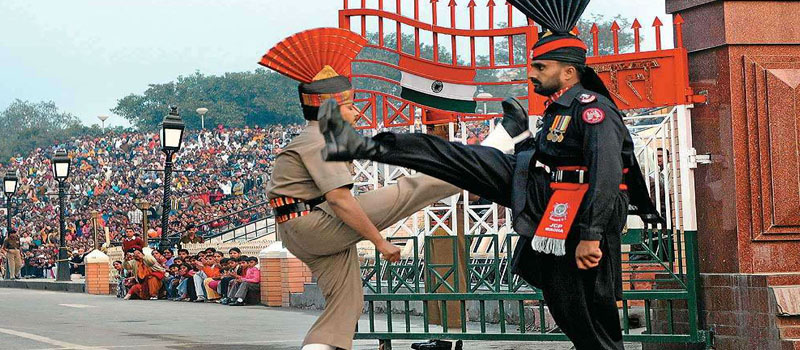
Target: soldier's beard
{"type": "Point", "coordinates": [545, 88]}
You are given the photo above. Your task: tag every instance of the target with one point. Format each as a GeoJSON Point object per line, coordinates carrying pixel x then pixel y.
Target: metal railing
{"type": "Point", "coordinates": [660, 303]}
{"type": "Point", "coordinates": [224, 225]}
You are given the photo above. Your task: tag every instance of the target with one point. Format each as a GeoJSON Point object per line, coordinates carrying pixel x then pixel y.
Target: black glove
{"type": "Point", "coordinates": [515, 117]}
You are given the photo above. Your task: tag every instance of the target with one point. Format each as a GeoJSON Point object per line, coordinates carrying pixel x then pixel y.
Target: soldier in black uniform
{"type": "Point", "coordinates": [570, 215]}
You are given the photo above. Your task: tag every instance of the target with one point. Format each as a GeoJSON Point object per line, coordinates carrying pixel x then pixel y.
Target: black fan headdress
{"type": "Point", "coordinates": [558, 18]}
{"type": "Point", "coordinates": [558, 42]}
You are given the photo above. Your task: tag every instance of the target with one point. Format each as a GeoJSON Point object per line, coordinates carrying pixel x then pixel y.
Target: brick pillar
{"type": "Point", "coordinates": [97, 268]}
{"type": "Point", "coordinates": [281, 274]}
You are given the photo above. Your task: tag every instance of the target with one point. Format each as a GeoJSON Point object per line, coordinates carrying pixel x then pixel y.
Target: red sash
{"type": "Point", "coordinates": [551, 235]}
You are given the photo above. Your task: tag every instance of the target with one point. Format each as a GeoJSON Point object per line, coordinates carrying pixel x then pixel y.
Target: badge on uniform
{"type": "Point", "coordinates": [587, 98]}
{"type": "Point", "coordinates": [594, 115]}
{"type": "Point", "coordinates": [559, 127]}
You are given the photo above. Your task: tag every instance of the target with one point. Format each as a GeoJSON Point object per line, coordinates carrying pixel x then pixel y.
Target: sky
{"type": "Point", "coordinates": [86, 54]}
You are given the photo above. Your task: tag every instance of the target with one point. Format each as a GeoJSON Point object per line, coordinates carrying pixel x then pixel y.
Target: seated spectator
{"type": "Point", "coordinates": [168, 255]}
{"type": "Point", "coordinates": [171, 282]}
{"type": "Point", "coordinates": [183, 293]}
{"type": "Point", "coordinates": [118, 277]}
{"type": "Point", "coordinates": [212, 284]}
{"type": "Point", "coordinates": [233, 271]}
{"type": "Point", "coordinates": [207, 268]}
{"type": "Point", "coordinates": [159, 258]}
{"type": "Point", "coordinates": [147, 278]}
{"type": "Point", "coordinates": [251, 282]}
{"type": "Point", "coordinates": [183, 254]}
{"type": "Point", "coordinates": [235, 253]}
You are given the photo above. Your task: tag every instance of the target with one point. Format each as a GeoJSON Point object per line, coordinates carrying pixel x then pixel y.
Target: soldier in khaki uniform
{"type": "Point", "coordinates": [318, 218]}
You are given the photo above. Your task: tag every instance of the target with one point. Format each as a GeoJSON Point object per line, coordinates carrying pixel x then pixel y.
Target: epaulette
{"type": "Point", "coordinates": [586, 99]}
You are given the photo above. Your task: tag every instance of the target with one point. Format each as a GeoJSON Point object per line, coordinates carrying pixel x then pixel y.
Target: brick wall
{"type": "Point", "coordinates": [740, 308]}
{"type": "Point", "coordinates": [97, 273]}
{"type": "Point", "coordinates": [281, 275]}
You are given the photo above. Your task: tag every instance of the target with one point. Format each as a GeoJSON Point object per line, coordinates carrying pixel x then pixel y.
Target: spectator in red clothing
{"type": "Point", "coordinates": [131, 240]}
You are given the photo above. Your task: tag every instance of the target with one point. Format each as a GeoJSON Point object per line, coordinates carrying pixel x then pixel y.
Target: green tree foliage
{"type": "Point", "coordinates": [260, 97]}
{"type": "Point", "coordinates": [29, 125]}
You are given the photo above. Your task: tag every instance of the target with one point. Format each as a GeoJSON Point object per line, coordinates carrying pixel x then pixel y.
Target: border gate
{"type": "Point", "coordinates": [659, 262]}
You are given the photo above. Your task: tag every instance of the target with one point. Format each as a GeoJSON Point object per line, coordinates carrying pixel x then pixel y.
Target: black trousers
{"type": "Point", "coordinates": [582, 302]}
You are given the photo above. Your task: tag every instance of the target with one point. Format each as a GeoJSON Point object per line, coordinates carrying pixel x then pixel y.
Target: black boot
{"type": "Point", "coordinates": [342, 141]}
{"type": "Point", "coordinates": [515, 117]}
{"type": "Point", "coordinates": [433, 345]}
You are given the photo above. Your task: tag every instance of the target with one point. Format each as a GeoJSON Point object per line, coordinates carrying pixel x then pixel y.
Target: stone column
{"type": "Point", "coordinates": [97, 269]}
{"type": "Point", "coordinates": [746, 55]}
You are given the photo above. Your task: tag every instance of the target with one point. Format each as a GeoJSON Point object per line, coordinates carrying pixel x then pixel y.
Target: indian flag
{"type": "Point", "coordinates": [449, 94]}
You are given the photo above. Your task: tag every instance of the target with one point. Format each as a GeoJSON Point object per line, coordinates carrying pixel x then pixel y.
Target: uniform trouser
{"type": "Point", "coordinates": [222, 288]}
{"type": "Point", "coordinates": [583, 303]}
{"type": "Point", "coordinates": [328, 246]}
{"type": "Point", "coordinates": [14, 263]}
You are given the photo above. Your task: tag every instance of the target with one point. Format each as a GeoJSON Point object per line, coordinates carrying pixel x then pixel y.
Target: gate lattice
{"type": "Point", "coordinates": [659, 262]}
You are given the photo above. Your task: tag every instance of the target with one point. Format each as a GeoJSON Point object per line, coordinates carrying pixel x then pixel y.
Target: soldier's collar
{"type": "Point", "coordinates": [566, 98]}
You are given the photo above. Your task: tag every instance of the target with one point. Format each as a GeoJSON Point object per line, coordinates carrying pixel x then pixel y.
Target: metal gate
{"type": "Point", "coordinates": [490, 303]}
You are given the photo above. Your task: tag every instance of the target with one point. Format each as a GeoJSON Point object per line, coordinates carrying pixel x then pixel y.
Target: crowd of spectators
{"type": "Point", "coordinates": [208, 276]}
{"type": "Point", "coordinates": [217, 172]}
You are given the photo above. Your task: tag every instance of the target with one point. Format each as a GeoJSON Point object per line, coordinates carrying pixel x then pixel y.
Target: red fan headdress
{"type": "Point", "coordinates": [320, 60]}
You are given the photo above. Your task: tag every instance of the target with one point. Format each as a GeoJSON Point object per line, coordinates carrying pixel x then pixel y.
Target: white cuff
{"type": "Point", "coordinates": [499, 139]}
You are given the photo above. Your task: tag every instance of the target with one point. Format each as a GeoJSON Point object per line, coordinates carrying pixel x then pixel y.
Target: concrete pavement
{"type": "Point", "coordinates": [31, 319]}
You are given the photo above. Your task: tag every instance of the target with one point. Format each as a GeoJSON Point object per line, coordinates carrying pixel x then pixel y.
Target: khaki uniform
{"type": "Point", "coordinates": [325, 243]}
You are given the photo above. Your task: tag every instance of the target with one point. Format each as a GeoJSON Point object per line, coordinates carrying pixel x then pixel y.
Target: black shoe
{"type": "Point", "coordinates": [515, 117]}
{"type": "Point", "coordinates": [433, 345]}
{"type": "Point", "coordinates": [342, 142]}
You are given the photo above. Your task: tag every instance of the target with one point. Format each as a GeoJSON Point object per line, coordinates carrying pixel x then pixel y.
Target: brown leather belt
{"type": "Point", "coordinates": [287, 208]}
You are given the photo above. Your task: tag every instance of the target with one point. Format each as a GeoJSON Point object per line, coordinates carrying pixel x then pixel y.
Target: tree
{"type": "Point", "coordinates": [260, 97]}
{"type": "Point", "coordinates": [29, 125]}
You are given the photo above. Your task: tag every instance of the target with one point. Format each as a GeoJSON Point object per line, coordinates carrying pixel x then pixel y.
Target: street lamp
{"type": "Point", "coordinates": [61, 167]}
{"type": "Point", "coordinates": [202, 112]}
{"type": "Point", "coordinates": [10, 182]}
{"type": "Point", "coordinates": [483, 95]}
{"type": "Point", "coordinates": [171, 140]}
{"type": "Point", "coordinates": [103, 119]}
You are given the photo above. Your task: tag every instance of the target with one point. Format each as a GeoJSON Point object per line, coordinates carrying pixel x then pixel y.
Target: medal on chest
{"type": "Point", "coordinates": [558, 128]}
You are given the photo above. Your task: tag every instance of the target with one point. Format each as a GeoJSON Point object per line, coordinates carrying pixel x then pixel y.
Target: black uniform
{"type": "Point", "coordinates": [583, 302]}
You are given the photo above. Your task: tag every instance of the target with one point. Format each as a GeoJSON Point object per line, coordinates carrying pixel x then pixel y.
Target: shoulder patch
{"type": "Point", "coordinates": [587, 98]}
{"type": "Point", "coordinates": [594, 115]}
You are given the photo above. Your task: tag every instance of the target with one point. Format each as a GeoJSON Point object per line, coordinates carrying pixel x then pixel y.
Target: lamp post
{"type": "Point", "coordinates": [103, 119]}
{"type": "Point", "coordinates": [484, 95]}
{"type": "Point", "coordinates": [202, 112]}
{"type": "Point", "coordinates": [171, 140]}
{"type": "Point", "coordinates": [10, 182]}
{"type": "Point", "coordinates": [61, 167]}
{"type": "Point", "coordinates": [143, 205]}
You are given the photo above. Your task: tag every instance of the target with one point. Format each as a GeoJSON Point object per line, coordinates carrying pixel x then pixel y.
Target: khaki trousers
{"type": "Point", "coordinates": [14, 262]}
{"type": "Point", "coordinates": [328, 246]}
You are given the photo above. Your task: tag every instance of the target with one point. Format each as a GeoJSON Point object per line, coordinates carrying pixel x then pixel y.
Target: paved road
{"type": "Point", "coordinates": [55, 320]}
